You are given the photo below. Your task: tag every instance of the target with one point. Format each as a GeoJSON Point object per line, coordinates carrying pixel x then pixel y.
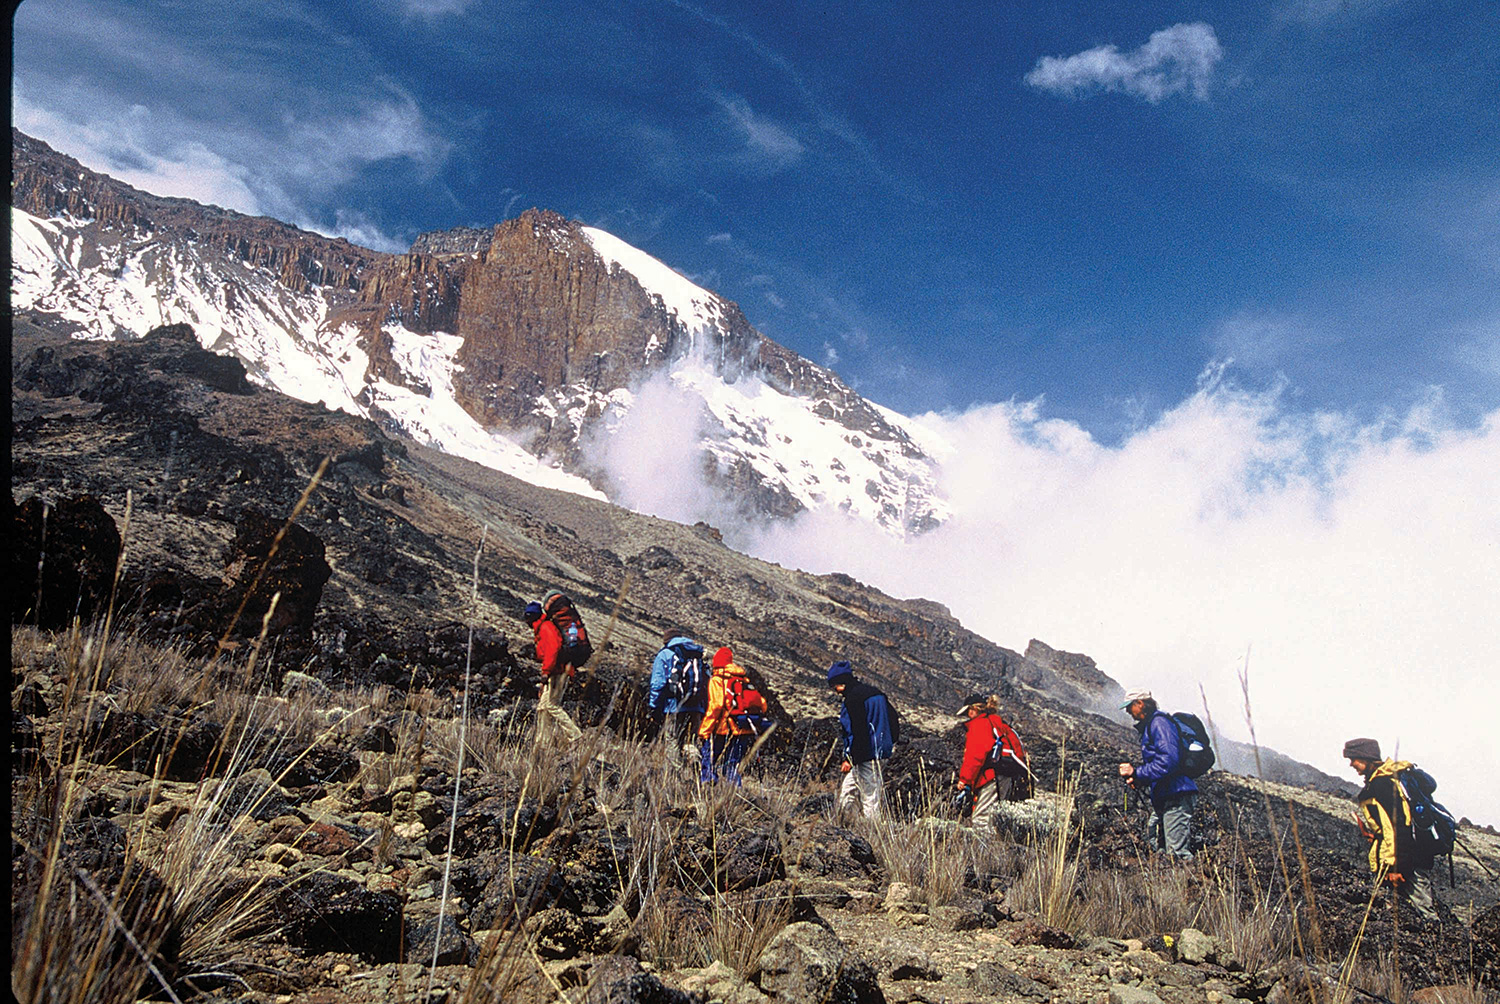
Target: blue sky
{"type": "Point", "coordinates": [955, 205]}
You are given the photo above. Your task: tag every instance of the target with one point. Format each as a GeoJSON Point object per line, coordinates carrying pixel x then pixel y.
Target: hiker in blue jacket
{"type": "Point", "coordinates": [871, 732]}
{"type": "Point", "coordinates": [1173, 794]}
{"type": "Point", "coordinates": [679, 714]}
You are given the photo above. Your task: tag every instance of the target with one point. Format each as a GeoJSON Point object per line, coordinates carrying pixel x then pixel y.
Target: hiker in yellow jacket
{"type": "Point", "coordinates": [734, 709]}
{"type": "Point", "coordinates": [1383, 812]}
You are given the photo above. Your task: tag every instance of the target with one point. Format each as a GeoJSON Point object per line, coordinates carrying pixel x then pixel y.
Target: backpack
{"type": "Point", "coordinates": [1433, 828]}
{"type": "Point", "coordinates": [741, 697]}
{"type": "Point", "coordinates": [576, 649]}
{"type": "Point", "coordinates": [1197, 752]}
{"type": "Point", "coordinates": [1007, 766]}
{"type": "Point", "coordinates": [686, 677]}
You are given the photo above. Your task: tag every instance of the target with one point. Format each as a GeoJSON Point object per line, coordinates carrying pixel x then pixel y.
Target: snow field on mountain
{"type": "Point", "coordinates": [438, 420]}
{"type": "Point", "coordinates": [821, 463]}
{"type": "Point", "coordinates": [694, 306]}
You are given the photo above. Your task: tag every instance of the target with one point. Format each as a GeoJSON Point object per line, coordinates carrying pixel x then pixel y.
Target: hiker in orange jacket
{"type": "Point", "coordinates": [989, 781]}
{"type": "Point", "coordinates": [727, 730]}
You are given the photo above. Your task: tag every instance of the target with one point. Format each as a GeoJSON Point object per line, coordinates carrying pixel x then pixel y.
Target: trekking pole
{"type": "Point", "coordinates": [1477, 860]}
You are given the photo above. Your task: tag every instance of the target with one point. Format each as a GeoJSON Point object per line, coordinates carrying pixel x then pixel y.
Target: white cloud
{"type": "Point", "coordinates": [723, 238]}
{"type": "Point", "coordinates": [1176, 59]}
{"type": "Point", "coordinates": [830, 355]}
{"type": "Point", "coordinates": [768, 142]}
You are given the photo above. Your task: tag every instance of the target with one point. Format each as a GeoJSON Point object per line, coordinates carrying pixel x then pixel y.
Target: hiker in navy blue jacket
{"type": "Point", "coordinates": [1173, 794]}
{"type": "Point", "coordinates": [871, 732]}
{"type": "Point", "coordinates": [680, 715]}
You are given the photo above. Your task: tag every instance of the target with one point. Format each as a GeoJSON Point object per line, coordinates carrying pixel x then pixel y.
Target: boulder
{"type": "Point", "coordinates": [297, 571]}
{"type": "Point", "coordinates": [328, 912]}
{"type": "Point", "coordinates": [1195, 947]}
{"type": "Point", "coordinates": [62, 560]}
{"type": "Point", "coordinates": [748, 859]}
{"type": "Point", "coordinates": [806, 962]}
{"type": "Point", "coordinates": [992, 979]}
{"type": "Point", "coordinates": [456, 947]}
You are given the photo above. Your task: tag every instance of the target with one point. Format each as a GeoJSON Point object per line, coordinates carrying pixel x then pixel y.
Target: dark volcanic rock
{"type": "Point", "coordinates": [296, 569]}
{"type": "Point", "coordinates": [329, 913]}
{"type": "Point", "coordinates": [456, 947]}
{"type": "Point", "coordinates": [62, 560]}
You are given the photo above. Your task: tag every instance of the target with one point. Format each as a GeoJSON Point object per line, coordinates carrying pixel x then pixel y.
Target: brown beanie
{"type": "Point", "coordinates": [1362, 749]}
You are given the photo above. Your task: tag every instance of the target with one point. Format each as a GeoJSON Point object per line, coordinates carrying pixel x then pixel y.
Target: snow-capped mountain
{"type": "Point", "coordinates": [527, 347]}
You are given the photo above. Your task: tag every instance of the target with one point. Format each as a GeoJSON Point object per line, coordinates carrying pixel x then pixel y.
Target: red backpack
{"type": "Point", "coordinates": [576, 649]}
{"type": "Point", "coordinates": [744, 705]}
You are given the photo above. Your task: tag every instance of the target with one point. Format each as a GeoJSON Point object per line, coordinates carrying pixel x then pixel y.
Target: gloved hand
{"type": "Point", "coordinates": [1395, 878]}
{"type": "Point", "coordinates": [845, 767]}
{"type": "Point", "coordinates": [963, 800]}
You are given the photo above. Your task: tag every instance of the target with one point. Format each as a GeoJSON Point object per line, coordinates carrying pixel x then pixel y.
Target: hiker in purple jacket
{"type": "Point", "coordinates": [1173, 794]}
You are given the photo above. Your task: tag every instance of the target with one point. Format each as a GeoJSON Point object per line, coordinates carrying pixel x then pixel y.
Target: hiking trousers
{"type": "Point", "coordinates": [864, 784]}
{"type": "Point", "coordinates": [1416, 892]}
{"type": "Point", "coordinates": [551, 719]}
{"type": "Point", "coordinates": [721, 756]}
{"type": "Point", "coordinates": [987, 804]}
{"type": "Point", "coordinates": [1170, 825]}
{"type": "Point", "coordinates": [679, 734]}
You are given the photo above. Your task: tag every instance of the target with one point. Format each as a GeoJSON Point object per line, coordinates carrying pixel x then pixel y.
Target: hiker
{"type": "Point", "coordinates": [1385, 818]}
{"type": "Point", "coordinates": [728, 725]}
{"type": "Point", "coordinates": [678, 694]}
{"type": "Point", "coordinates": [993, 759]}
{"type": "Point", "coordinates": [557, 667]}
{"type": "Point", "coordinates": [870, 734]}
{"type": "Point", "coordinates": [1173, 793]}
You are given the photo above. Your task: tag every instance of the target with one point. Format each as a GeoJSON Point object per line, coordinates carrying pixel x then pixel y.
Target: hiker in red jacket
{"type": "Point", "coordinates": [550, 714]}
{"type": "Point", "coordinates": [988, 773]}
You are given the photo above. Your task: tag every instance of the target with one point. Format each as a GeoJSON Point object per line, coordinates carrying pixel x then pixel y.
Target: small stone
{"type": "Point", "coordinates": [282, 854]}
{"type": "Point", "coordinates": [1196, 947]}
{"type": "Point", "coordinates": [1119, 994]}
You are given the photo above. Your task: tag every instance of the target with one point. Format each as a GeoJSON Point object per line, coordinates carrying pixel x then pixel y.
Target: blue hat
{"type": "Point", "coordinates": [838, 671]}
{"type": "Point", "coordinates": [533, 613]}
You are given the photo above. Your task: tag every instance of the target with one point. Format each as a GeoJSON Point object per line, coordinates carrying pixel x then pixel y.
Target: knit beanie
{"type": "Point", "coordinates": [838, 671]}
{"type": "Point", "coordinates": [532, 613]}
{"type": "Point", "coordinates": [1362, 749]}
{"type": "Point", "coordinates": [723, 657]}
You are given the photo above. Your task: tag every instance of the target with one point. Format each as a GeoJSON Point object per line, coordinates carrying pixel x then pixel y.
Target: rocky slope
{"type": "Point", "coordinates": [521, 347]}
{"type": "Point", "coordinates": [169, 454]}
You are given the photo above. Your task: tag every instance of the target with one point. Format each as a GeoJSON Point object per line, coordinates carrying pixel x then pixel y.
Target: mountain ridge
{"type": "Point", "coordinates": [557, 325]}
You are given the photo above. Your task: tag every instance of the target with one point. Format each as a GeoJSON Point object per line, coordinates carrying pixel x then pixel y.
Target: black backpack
{"type": "Point", "coordinates": [576, 649]}
{"type": "Point", "coordinates": [686, 677]}
{"type": "Point", "coordinates": [1433, 828]}
{"type": "Point", "coordinates": [1197, 752]}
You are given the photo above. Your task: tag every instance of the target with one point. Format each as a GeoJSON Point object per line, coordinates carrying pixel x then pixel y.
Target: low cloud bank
{"type": "Point", "coordinates": [1355, 565]}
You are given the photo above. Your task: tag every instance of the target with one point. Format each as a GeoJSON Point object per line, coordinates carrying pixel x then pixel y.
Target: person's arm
{"type": "Point", "coordinates": [548, 647]}
{"type": "Point", "coordinates": [1163, 753]}
{"type": "Point", "coordinates": [659, 667]}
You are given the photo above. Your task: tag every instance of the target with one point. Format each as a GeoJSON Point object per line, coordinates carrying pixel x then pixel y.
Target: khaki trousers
{"type": "Point", "coordinates": [551, 719]}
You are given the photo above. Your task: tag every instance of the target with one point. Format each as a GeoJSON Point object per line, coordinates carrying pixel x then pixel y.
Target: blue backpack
{"type": "Point", "coordinates": [1433, 827]}
{"type": "Point", "coordinates": [687, 681]}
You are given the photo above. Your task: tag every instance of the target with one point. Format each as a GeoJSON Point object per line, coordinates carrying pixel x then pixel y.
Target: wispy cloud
{"type": "Point", "coordinates": [1261, 341]}
{"type": "Point", "coordinates": [1176, 59]}
{"type": "Point", "coordinates": [172, 117]}
{"type": "Point", "coordinates": [769, 142]}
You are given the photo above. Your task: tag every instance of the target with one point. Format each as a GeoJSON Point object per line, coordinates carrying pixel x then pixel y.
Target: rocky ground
{"type": "Point", "coordinates": [262, 794]}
